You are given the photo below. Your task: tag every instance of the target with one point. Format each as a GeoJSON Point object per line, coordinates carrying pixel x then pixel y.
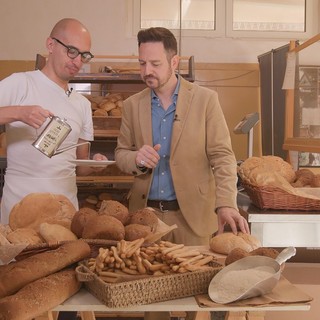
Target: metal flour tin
{"type": "Point", "coordinates": [52, 136]}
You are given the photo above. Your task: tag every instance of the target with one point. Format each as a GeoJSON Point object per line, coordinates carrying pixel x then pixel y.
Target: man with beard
{"type": "Point", "coordinates": [175, 141]}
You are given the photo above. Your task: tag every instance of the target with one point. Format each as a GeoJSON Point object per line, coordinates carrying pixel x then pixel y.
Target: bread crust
{"type": "Point", "coordinates": [103, 227]}
{"type": "Point", "coordinates": [224, 243]}
{"type": "Point", "coordinates": [36, 208]}
{"type": "Point", "coordinates": [17, 274]}
{"type": "Point", "coordinates": [39, 296]}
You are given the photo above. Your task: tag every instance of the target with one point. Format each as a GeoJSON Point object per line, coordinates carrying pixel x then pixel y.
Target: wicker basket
{"type": "Point", "coordinates": [269, 197]}
{"type": "Point", "coordinates": [146, 290]}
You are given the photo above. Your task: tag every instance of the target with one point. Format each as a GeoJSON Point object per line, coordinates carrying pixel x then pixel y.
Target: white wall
{"type": "Point", "coordinates": [26, 24]}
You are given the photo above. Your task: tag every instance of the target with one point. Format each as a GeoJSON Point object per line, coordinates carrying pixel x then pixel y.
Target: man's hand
{"type": "Point", "coordinates": [148, 156]}
{"type": "Point", "coordinates": [233, 218]}
{"type": "Point", "coordinates": [34, 116]}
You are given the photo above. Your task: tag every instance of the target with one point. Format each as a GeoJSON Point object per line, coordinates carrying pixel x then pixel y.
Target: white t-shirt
{"type": "Point", "coordinates": [28, 170]}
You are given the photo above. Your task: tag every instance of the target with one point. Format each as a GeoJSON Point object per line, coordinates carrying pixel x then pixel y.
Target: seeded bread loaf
{"type": "Point", "coordinates": [17, 274]}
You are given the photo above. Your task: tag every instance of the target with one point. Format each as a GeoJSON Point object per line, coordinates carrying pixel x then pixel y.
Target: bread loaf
{"type": "Point", "coordinates": [80, 219]}
{"type": "Point", "coordinates": [224, 243]}
{"type": "Point", "coordinates": [115, 209]}
{"type": "Point", "coordinates": [39, 296]}
{"type": "Point", "coordinates": [36, 208]}
{"type": "Point", "coordinates": [145, 216]}
{"type": "Point", "coordinates": [17, 274]}
{"type": "Point", "coordinates": [103, 227]}
{"type": "Point", "coordinates": [56, 233]}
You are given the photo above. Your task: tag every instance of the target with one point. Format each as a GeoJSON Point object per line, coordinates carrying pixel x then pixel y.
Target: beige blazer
{"type": "Point", "coordinates": [202, 162]}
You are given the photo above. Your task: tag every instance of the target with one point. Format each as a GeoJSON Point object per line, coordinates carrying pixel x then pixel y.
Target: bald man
{"type": "Point", "coordinates": [28, 100]}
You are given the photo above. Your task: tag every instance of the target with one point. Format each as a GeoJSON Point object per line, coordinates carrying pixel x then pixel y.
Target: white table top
{"type": "Point", "coordinates": [84, 301]}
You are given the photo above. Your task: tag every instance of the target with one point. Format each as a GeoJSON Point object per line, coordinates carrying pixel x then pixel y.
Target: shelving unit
{"type": "Point", "coordinates": [106, 129]}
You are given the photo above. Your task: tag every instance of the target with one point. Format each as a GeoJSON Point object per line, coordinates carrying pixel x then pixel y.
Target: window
{"type": "Point", "coordinates": [288, 19]}
{"type": "Point", "coordinates": [230, 18]}
{"type": "Point", "coordinates": [187, 14]}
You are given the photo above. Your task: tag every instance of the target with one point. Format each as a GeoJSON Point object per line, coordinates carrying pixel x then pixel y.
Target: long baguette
{"type": "Point", "coordinates": [16, 275]}
{"type": "Point", "coordinates": [39, 296]}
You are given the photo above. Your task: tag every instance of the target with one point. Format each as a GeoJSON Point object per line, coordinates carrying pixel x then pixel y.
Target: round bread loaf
{"type": "Point", "coordinates": [145, 217]}
{"type": "Point", "coordinates": [136, 231]}
{"type": "Point", "coordinates": [224, 243]}
{"type": "Point", "coordinates": [80, 218]}
{"type": "Point", "coordinates": [235, 254]}
{"type": "Point", "coordinates": [257, 170]}
{"type": "Point", "coordinates": [115, 209]}
{"type": "Point", "coordinates": [264, 251]}
{"type": "Point", "coordinates": [103, 227]}
{"type": "Point", "coordinates": [304, 177]}
{"type": "Point", "coordinates": [36, 208]}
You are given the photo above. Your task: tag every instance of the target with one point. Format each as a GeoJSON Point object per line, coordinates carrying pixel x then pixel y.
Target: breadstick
{"type": "Point", "coordinates": [172, 248]}
{"type": "Point", "coordinates": [135, 247]}
{"type": "Point", "coordinates": [130, 271]}
{"type": "Point", "coordinates": [115, 254]}
{"type": "Point", "coordinates": [108, 274]}
{"type": "Point", "coordinates": [141, 268]}
{"type": "Point", "coordinates": [191, 260]}
{"type": "Point", "coordinates": [186, 253]}
{"type": "Point", "coordinates": [199, 264]}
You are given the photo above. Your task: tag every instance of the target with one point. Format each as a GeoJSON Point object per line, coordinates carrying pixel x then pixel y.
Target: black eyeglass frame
{"type": "Point", "coordinates": [86, 56]}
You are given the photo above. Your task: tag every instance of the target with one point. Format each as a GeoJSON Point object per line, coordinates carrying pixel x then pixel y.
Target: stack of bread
{"type": "Point", "coordinates": [274, 171]}
{"type": "Point", "coordinates": [114, 222]}
{"type": "Point", "coordinates": [50, 218]}
{"type": "Point", "coordinates": [109, 105]}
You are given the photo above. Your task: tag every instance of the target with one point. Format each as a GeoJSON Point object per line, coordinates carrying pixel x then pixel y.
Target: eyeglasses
{"type": "Point", "coordinates": [73, 52]}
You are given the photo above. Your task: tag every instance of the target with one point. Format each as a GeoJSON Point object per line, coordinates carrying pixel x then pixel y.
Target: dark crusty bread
{"type": "Point", "coordinates": [145, 216]}
{"type": "Point", "coordinates": [103, 227]}
{"type": "Point", "coordinates": [115, 209]}
{"type": "Point", "coordinates": [80, 218]}
{"type": "Point", "coordinates": [39, 296]}
{"type": "Point", "coordinates": [17, 274]}
{"type": "Point", "coordinates": [238, 253]}
{"type": "Point", "coordinates": [136, 231]}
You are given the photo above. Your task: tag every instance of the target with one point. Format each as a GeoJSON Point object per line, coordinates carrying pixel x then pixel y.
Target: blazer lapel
{"type": "Point", "coordinates": [145, 118]}
{"type": "Point", "coordinates": [182, 110]}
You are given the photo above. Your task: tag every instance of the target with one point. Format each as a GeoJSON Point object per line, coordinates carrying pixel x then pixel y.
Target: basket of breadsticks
{"type": "Point", "coordinates": [272, 183]}
{"type": "Point", "coordinates": [131, 273]}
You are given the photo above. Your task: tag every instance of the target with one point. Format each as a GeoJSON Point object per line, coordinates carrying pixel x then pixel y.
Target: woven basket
{"type": "Point", "coordinates": [269, 197]}
{"type": "Point", "coordinates": [146, 290]}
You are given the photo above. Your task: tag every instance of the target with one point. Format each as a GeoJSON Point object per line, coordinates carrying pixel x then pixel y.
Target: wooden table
{"type": "Point", "coordinates": [87, 304]}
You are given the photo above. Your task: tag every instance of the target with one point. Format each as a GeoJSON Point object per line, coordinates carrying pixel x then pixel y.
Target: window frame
{"type": "Point", "coordinates": [224, 24]}
{"type": "Point", "coordinates": [312, 9]}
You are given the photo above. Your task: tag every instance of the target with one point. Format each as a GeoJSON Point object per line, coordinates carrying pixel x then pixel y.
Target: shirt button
{"type": "Point", "coordinates": [164, 138]}
{"type": "Point", "coordinates": [162, 191]}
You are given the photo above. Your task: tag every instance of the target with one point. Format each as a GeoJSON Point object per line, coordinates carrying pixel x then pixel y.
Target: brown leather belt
{"type": "Point", "coordinates": [164, 206]}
